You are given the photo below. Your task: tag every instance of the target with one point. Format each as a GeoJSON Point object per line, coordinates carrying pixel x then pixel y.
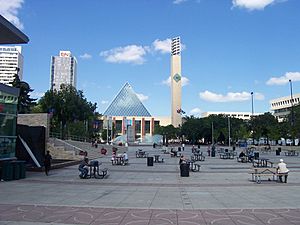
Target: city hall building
{"type": "Point", "coordinates": [128, 114]}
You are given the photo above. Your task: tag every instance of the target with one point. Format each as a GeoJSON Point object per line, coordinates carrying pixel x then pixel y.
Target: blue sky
{"type": "Point", "coordinates": [231, 48]}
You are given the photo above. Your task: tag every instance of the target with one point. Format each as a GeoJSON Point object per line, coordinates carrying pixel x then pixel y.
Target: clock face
{"type": "Point", "coordinates": [177, 77]}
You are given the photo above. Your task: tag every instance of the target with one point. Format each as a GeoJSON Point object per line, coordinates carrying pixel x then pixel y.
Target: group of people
{"type": "Point", "coordinates": [124, 156]}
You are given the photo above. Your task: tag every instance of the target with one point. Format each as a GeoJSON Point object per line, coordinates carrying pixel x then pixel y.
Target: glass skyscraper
{"type": "Point", "coordinates": [63, 70]}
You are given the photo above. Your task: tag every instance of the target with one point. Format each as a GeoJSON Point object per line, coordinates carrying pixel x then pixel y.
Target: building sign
{"type": "Point", "coordinates": [65, 54]}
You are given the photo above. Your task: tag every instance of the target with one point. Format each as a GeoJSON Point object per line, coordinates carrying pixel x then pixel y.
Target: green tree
{"type": "Point", "coordinates": [69, 107]}
{"type": "Point", "coordinates": [264, 125]}
{"type": "Point", "coordinates": [25, 103]}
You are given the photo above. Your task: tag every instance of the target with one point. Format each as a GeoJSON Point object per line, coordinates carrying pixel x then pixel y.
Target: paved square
{"type": "Point", "coordinates": [137, 194]}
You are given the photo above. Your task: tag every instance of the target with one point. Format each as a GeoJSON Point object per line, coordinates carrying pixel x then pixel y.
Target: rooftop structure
{"type": "Point", "coordinates": [9, 34]}
{"type": "Point", "coordinates": [126, 103]}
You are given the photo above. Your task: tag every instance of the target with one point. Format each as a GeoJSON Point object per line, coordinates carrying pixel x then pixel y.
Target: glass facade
{"type": "Point", "coordinates": [8, 121]}
{"type": "Point", "coordinates": [147, 127]}
{"type": "Point", "coordinates": [126, 103]}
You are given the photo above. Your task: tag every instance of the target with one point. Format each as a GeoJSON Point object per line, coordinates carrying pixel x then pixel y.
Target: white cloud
{"type": "Point", "coordinates": [184, 81]}
{"type": "Point", "coordinates": [104, 102]}
{"type": "Point", "coordinates": [9, 9]}
{"type": "Point", "coordinates": [254, 4]}
{"type": "Point", "coordinates": [229, 97]}
{"type": "Point", "coordinates": [128, 54]}
{"type": "Point", "coordinates": [142, 97]}
{"type": "Point", "coordinates": [177, 2]}
{"type": "Point", "coordinates": [163, 46]}
{"type": "Point", "coordinates": [293, 76]}
{"type": "Point", "coordinates": [259, 96]}
{"type": "Point", "coordinates": [86, 56]}
{"type": "Point", "coordinates": [196, 112]}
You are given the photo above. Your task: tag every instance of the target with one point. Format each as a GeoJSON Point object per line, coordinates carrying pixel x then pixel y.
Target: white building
{"type": "Point", "coordinates": [11, 63]}
{"type": "Point", "coordinates": [238, 115]}
{"type": "Point", "coordinates": [281, 106]}
{"type": "Point", "coordinates": [63, 70]}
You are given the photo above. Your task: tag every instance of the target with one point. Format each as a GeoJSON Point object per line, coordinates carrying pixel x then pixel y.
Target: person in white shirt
{"type": "Point", "coordinates": [282, 170]}
{"type": "Point", "coordinates": [125, 158]}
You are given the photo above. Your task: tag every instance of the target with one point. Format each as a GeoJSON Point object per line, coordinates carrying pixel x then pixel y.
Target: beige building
{"type": "Point", "coordinates": [176, 110]}
{"type": "Point", "coordinates": [281, 106]}
{"type": "Point", "coordinates": [238, 115]}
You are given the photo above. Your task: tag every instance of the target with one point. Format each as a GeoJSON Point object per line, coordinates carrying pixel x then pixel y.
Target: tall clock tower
{"type": "Point", "coordinates": [176, 119]}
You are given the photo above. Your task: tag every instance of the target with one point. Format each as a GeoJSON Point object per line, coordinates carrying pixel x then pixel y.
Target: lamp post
{"type": "Point", "coordinates": [252, 117]}
{"type": "Point", "coordinates": [292, 109]}
{"type": "Point", "coordinates": [228, 131]}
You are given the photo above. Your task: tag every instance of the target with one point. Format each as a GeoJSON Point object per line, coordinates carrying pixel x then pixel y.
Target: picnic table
{"type": "Point", "coordinates": [157, 160]}
{"type": "Point", "coordinates": [198, 157]}
{"type": "Point", "coordinates": [259, 173]}
{"type": "Point", "coordinates": [141, 154]}
{"type": "Point", "coordinates": [226, 155]}
{"type": "Point", "coordinates": [262, 162]}
{"type": "Point", "coordinates": [95, 171]}
{"type": "Point", "coordinates": [291, 153]}
{"type": "Point", "coordinates": [118, 160]}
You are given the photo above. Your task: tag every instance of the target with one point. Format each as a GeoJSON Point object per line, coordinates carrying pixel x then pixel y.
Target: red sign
{"type": "Point", "coordinates": [1, 108]}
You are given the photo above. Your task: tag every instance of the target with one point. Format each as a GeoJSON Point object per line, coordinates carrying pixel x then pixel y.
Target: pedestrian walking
{"type": "Point", "coordinates": [47, 162]}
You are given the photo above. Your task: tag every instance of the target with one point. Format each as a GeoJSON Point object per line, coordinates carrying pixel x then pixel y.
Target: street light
{"type": "Point", "coordinates": [292, 107]}
{"type": "Point", "coordinates": [252, 116]}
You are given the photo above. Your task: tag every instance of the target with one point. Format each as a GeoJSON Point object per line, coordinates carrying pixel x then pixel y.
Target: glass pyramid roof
{"type": "Point", "coordinates": [126, 103]}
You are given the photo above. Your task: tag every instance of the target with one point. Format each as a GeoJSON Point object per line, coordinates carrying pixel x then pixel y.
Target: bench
{"type": "Point", "coordinates": [259, 173]}
{"type": "Point", "coordinates": [102, 173]}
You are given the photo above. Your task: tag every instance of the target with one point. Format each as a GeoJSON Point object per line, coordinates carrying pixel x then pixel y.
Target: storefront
{"type": "Point", "coordinates": [8, 120]}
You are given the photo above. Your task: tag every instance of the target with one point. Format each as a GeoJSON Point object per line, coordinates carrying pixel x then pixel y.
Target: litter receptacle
{"type": "Point", "coordinates": [179, 149]}
{"type": "Point", "coordinates": [278, 151]}
{"type": "Point", "coordinates": [7, 171]}
{"type": "Point", "coordinates": [184, 169]}
{"type": "Point", "coordinates": [213, 153]}
{"type": "Point", "coordinates": [256, 155]}
{"type": "Point", "coordinates": [149, 161]}
{"type": "Point", "coordinates": [22, 169]}
{"type": "Point", "coordinates": [16, 170]}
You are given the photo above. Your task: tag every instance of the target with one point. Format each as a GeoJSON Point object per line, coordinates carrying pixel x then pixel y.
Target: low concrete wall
{"type": "Point", "coordinates": [36, 119]}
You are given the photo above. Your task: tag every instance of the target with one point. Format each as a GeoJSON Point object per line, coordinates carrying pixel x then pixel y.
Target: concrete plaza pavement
{"type": "Point", "coordinates": [221, 193]}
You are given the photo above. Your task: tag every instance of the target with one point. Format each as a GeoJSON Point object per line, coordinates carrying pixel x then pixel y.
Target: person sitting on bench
{"type": "Point", "coordinates": [282, 171]}
{"type": "Point", "coordinates": [83, 168]}
{"type": "Point", "coordinates": [242, 156]}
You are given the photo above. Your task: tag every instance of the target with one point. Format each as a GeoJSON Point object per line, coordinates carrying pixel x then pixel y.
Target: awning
{"type": "Point", "coordinates": [9, 34]}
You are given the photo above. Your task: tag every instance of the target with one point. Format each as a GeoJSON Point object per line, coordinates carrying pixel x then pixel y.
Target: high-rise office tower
{"type": "Point", "coordinates": [176, 110]}
{"type": "Point", "coordinates": [63, 70]}
{"type": "Point", "coordinates": [11, 63]}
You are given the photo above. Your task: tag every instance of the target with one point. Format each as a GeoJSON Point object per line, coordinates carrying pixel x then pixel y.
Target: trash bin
{"type": "Point", "coordinates": [7, 171]}
{"type": "Point", "coordinates": [213, 153]}
{"type": "Point", "coordinates": [149, 161]}
{"type": "Point", "coordinates": [16, 170]}
{"type": "Point", "coordinates": [233, 148]}
{"type": "Point", "coordinates": [22, 169]}
{"type": "Point", "coordinates": [256, 155]}
{"type": "Point", "coordinates": [278, 151]}
{"type": "Point", "coordinates": [185, 169]}
{"type": "Point", "coordinates": [179, 149]}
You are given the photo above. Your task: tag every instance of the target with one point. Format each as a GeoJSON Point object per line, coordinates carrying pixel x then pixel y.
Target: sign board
{"type": "Point", "coordinates": [65, 54]}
